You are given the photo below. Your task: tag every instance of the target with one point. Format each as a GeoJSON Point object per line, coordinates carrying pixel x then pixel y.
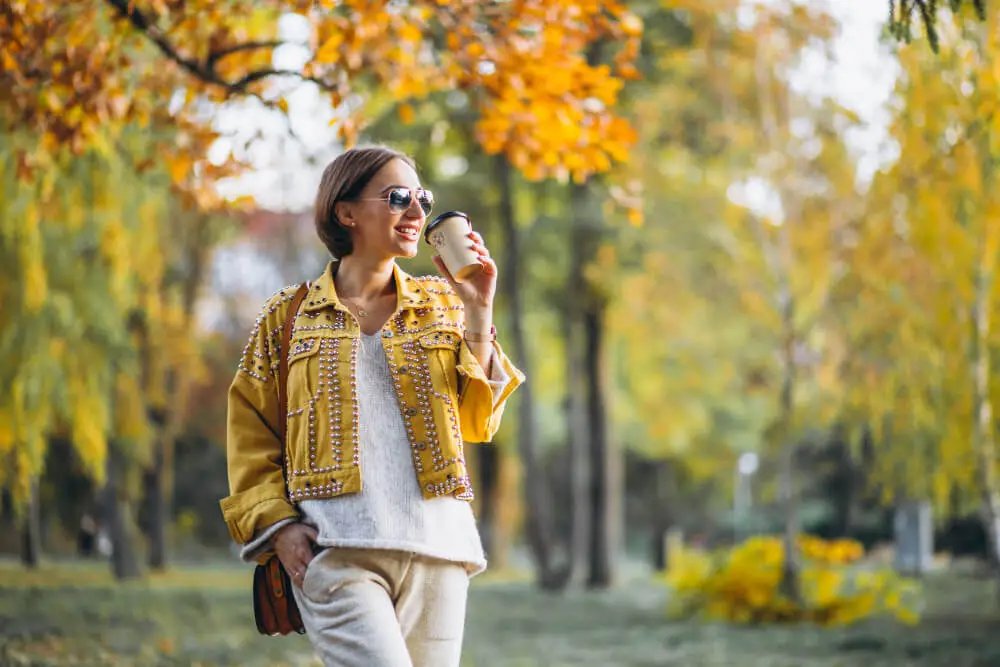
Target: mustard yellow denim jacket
{"type": "Point", "coordinates": [443, 395]}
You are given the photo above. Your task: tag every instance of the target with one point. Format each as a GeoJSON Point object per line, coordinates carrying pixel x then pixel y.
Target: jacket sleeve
{"type": "Point", "coordinates": [482, 398]}
{"type": "Point", "coordinates": [258, 497]}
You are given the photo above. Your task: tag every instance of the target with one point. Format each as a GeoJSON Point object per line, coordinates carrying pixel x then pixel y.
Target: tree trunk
{"type": "Point", "coordinates": [197, 253]}
{"type": "Point", "coordinates": [155, 476]}
{"type": "Point", "coordinates": [658, 547]}
{"type": "Point", "coordinates": [538, 508]}
{"type": "Point", "coordinates": [661, 514]}
{"type": "Point", "coordinates": [790, 565]}
{"type": "Point", "coordinates": [983, 437]}
{"type": "Point", "coordinates": [578, 458]}
{"type": "Point", "coordinates": [845, 500]}
{"type": "Point", "coordinates": [159, 507]}
{"type": "Point", "coordinates": [488, 460]}
{"type": "Point", "coordinates": [605, 460]}
{"type": "Point", "coordinates": [124, 563]}
{"type": "Point", "coordinates": [780, 264]}
{"type": "Point", "coordinates": [577, 421]}
{"type": "Point", "coordinates": [31, 529]}
{"type": "Point", "coordinates": [595, 464]}
{"type": "Point", "coordinates": [160, 478]}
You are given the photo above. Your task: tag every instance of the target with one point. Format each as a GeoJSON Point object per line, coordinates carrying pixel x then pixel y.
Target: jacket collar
{"type": "Point", "coordinates": [323, 292]}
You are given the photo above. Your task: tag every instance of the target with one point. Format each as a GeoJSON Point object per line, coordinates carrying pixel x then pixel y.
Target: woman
{"type": "Point", "coordinates": [388, 376]}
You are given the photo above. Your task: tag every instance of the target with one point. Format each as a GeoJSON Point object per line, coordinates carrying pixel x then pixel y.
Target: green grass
{"type": "Point", "coordinates": [75, 615]}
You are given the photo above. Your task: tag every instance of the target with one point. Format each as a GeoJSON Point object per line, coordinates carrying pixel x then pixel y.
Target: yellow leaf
{"type": "Point", "coordinates": [329, 52]}
{"type": "Point", "coordinates": [179, 166]}
{"type": "Point", "coordinates": [406, 113]}
{"type": "Point", "coordinates": [409, 33]}
{"type": "Point", "coordinates": [635, 216]}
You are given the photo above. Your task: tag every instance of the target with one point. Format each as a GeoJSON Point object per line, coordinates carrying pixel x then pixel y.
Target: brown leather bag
{"type": "Point", "coordinates": [274, 607]}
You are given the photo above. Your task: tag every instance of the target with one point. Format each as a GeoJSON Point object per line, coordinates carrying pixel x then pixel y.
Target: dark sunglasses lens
{"type": "Point", "coordinates": [426, 201]}
{"type": "Point", "coordinates": [400, 200]}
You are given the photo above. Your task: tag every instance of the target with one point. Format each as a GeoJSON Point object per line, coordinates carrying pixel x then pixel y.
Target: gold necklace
{"type": "Point", "coordinates": [361, 311]}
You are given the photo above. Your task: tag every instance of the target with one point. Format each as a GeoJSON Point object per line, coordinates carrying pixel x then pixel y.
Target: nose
{"type": "Point", "coordinates": [414, 210]}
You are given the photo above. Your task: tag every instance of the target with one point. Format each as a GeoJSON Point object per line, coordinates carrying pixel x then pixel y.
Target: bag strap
{"type": "Point", "coordinates": [286, 344]}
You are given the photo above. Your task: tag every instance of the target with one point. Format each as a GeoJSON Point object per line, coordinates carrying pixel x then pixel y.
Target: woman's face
{"type": "Point", "coordinates": [379, 232]}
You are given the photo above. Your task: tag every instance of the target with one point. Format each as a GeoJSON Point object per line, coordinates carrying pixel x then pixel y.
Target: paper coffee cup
{"type": "Point", "coordinates": [448, 234]}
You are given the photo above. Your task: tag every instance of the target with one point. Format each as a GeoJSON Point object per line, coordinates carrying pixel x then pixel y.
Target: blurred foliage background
{"type": "Point", "coordinates": [734, 319]}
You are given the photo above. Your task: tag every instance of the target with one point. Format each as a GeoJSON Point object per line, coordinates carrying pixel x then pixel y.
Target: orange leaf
{"type": "Point", "coordinates": [406, 114]}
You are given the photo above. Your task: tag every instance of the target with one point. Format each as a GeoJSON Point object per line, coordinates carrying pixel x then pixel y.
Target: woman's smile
{"type": "Point", "coordinates": [409, 230]}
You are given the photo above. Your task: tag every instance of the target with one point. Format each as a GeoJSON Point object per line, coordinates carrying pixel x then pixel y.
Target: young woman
{"type": "Point", "coordinates": [389, 375]}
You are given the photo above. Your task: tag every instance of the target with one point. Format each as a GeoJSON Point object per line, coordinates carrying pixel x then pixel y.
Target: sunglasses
{"type": "Point", "coordinates": [400, 199]}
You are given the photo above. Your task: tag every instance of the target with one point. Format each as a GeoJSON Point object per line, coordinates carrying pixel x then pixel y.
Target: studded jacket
{"type": "Point", "coordinates": [443, 394]}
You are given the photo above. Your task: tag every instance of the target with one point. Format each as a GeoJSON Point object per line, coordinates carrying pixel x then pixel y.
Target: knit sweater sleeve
{"type": "Point", "coordinates": [261, 544]}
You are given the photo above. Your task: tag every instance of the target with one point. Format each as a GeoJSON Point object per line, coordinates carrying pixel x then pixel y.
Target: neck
{"type": "Point", "coordinates": [364, 279]}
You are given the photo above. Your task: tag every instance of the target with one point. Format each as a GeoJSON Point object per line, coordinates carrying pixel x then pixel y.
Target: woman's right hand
{"type": "Point", "coordinates": [294, 546]}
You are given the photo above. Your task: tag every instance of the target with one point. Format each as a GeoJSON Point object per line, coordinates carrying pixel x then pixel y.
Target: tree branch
{"type": "Point", "coordinates": [901, 17]}
{"type": "Point", "coordinates": [215, 56]}
{"type": "Point", "coordinates": [240, 84]}
{"type": "Point", "coordinates": [128, 10]}
{"type": "Point", "coordinates": [206, 71]}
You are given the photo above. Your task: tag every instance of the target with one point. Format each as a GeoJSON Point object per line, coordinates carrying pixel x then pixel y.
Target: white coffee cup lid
{"type": "Point", "coordinates": [442, 217]}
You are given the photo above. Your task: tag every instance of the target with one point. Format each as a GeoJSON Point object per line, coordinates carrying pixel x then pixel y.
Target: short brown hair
{"type": "Point", "coordinates": [343, 180]}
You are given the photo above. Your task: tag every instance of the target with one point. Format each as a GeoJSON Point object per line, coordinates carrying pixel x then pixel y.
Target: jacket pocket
{"type": "Point", "coordinates": [320, 396]}
{"type": "Point", "coordinates": [441, 349]}
{"type": "Point", "coordinates": [303, 380]}
{"type": "Point", "coordinates": [302, 373]}
{"type": "Point", "coordinates": [441, 339]}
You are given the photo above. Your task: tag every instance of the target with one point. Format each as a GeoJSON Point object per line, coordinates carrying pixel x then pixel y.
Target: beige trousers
{"type": "Point", "coordinates": [381, 608]}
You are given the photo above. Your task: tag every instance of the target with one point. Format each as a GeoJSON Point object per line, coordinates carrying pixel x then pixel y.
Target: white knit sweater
{"type": "Point", "coordinates": [390, 512]}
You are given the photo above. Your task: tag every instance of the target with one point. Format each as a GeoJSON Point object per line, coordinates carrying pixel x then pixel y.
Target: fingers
{"type": "Point", "coordinates": [478, 244]}
{"type": "Point", "coordinates": [297, 562]}
{"type": "Point", "coordinates": [296, 568]}
{"type": "Point", "coordinates": [295, 551]}
{"type": "Point", "coordinates": [489, 266]}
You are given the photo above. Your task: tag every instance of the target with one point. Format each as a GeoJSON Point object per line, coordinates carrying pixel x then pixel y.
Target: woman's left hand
{"type": "Point", "coordinates": [478, 291]}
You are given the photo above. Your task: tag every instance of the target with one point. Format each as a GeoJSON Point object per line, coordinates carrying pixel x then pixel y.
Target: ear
{"type": "Point", "coordinates": [345, 213]}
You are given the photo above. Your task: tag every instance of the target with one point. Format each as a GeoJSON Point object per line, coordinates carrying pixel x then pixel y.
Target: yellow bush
{"type": "Point", "coordinates": [743, 584]}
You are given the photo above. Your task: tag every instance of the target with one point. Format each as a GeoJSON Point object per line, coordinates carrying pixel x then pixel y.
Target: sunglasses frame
{"type": "Point", "coordinates": [412, 193]}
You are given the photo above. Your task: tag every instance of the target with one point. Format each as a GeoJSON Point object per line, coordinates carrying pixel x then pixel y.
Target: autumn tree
{"type": "Point", "coordinates": [748, 284]}
{"type": "Point", "coordinates": [94, 324]}
{"type": "Point", "coordinates": [926, 358]}
{"type": "Point", "coordinates": [903, 12]}
{"type": "Point", "coordinates": [117, 60]}
{"type": "Point", "coordinates": [109, 65]}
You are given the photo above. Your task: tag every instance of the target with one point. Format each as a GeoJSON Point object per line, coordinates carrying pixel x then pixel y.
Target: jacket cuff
{"type": "Point", "coordinates": [249, 511]}
{"type": "Point", "coordinates": [469, 367]}
{"type": "Point", "coordinates": [260, 548]}
{"type": "Point", "coordinates": [482, 397]}
{"type": "Point", "coordinates": [504, 377]}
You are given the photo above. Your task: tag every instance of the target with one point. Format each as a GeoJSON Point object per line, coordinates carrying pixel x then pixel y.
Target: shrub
{"type": "Point", "coordinates": [743, 584]}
